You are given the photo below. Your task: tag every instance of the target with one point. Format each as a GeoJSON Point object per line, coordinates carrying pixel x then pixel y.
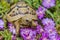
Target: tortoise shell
{"type": "Point", "coordinates": [21, 14]}
{"type": "Point", "coordinates": [21, 10]}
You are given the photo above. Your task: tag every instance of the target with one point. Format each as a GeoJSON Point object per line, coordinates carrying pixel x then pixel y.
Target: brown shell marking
{"type": "Point", "coordinates": [19, 10]}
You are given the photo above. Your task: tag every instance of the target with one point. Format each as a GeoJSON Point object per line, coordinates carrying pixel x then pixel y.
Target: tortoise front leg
{"type": "Point", "coordinates": [16, 23]}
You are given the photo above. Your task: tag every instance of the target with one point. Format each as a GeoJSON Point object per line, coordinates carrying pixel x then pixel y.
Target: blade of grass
{"type": "Point", "coordinates": [50, 13]}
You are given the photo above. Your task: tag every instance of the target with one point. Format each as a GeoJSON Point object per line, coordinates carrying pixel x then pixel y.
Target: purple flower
{"type": "Point", "coordinates": [48, 22]}
{"type": "Point", "coordinates": [48, 3]}
{"type": "Point", "coordinates": [14, 37]}
{"type": "Point", "coordinates": [53, 37]}
{"type": "Point", "coordinates": [44, 38]}
{"type": "Point", "coordinates": [10, 25]}
{"type": "Point", "coordinates": [49, 28]}
{"type": "Point", "coordinates": [40, 12]}
{"type": "Point", "coordinates": [11, 28]}
{"type": "Point", "coordinates": [1, 24]}
{"type": "Point", "coordinates": [58, 37]}
{"type": "Point", "coordinates": [39, 29]}
{"type": "Point", "coordinates": [28, 34]}
{"type": "Point", "coordinates": [45, 34]}
{"type": "Point", "coordinates": [51, 31]}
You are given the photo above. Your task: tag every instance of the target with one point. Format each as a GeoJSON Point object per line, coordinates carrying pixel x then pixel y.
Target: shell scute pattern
{"type": "Point", "coordinates": [19, 10]}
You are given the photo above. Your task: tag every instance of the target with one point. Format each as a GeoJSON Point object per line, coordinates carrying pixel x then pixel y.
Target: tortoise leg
{"type": "Point", "coordinates": [17, 27]}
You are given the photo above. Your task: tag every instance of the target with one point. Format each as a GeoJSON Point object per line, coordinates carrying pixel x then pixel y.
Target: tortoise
{"type": "Point", "coordinates": [21, 15]}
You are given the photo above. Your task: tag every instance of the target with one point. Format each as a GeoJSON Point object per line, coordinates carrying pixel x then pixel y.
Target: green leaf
{"type": "Point", "coordinates": [13, 1]}
{"type": "Point", "coordinates": [19, 38]}
{"type": "Point", "coordinates": [33, 3]}
{"type": "Point", "coordinates": [29, 2]}
{"type": "Point", "coordinates": [4, 7]}
{"type": "Point", "coordinates": [57, 16]}
{"type": "Point", "coordinates": [36, 3]}
{"type": "Point", "coordinates": [6, 34]}
{"type": "Point", "coordinates": [48, 12]}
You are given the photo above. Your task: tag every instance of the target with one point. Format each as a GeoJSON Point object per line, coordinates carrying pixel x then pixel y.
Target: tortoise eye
{"type": "Point", "coordinates": [27, 20]}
